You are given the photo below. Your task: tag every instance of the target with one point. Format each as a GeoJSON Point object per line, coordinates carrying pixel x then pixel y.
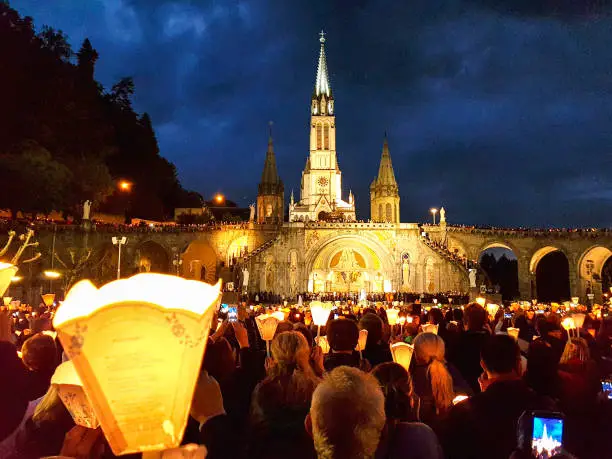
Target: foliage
{"type": "Point", "coordinates": [58, 120]}
{"type": "Point", "coordinates": [503, 272]}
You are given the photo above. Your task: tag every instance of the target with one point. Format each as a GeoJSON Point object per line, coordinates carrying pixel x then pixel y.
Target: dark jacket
{"type": "Point", "coordinates": [333, 360]}
{"type": "Point", "coordinates": [377, 353]}
{"type": "Point", "coordinates": [466, 356]}
{"type": "Point", "coordinates": [484, 426]}
{"type": "Point", "coordinates": [408, 440]}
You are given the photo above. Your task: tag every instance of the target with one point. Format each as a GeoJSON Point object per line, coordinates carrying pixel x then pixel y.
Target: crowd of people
{"type": "Point", "coordinates": [303, 403]}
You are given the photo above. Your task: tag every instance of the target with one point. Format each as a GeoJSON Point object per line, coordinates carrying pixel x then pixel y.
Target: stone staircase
{"type": "Point", "coordinates": [259, 249]}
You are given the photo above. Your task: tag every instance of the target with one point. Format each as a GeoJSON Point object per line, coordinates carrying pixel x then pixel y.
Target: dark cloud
{"type": "Point", "coordinates": [498, 110]}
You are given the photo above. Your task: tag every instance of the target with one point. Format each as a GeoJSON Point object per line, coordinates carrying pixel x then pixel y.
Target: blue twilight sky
{"type": "Point", "coordinates": [499, 110]}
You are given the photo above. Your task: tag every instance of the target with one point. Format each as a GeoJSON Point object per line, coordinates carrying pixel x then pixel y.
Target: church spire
{"type": "Point", "coordinates": [322, 86]}
{"type": "Point", "coordinates": [386, 176]}
{"type": "Point", "coordinates": [270, 181]}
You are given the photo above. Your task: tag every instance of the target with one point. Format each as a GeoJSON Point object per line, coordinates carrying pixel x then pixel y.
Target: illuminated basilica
{"type": "Point", "coordinates": [322, 247]}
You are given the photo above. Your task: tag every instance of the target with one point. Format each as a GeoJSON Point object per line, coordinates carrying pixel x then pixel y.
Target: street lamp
{"type": "Point", "coordinates": [119, 241]}
{"type": "Point", "coordinates": [51, 274]}
{"type": "Point", "coordinates": [124, 185]}
{"type": "Point", "coordinates": [433, 211]}
{"type": "Point", "coordinates": [219, 198]}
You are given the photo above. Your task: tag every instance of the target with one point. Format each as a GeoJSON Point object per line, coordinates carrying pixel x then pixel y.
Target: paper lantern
{"type": "Point", "coordinates": [266, 324]}
{"type": "Point", "coordinates": [392, 314]}
{"type": "Point", "coordinates": [50, 333]}
{"type": "Point", "coordinates": [7, 300]}
{"type": "Point", "coordinates": [401, 320]}
{"type": "Point", "coordinates": [575, 300]}
{"type": "Point", "coordinates": [323, 343]}
{"type": "Point", "coordinates": [7, 271]}
{"type": "Point", "coordinates": [190, 451]}
{"type": "Point", "coordinates": [459, 398]}
{"type": "Point", "coordinates": [320, 312]}
{"type": "Point", "coordinates": [578, 319]}
{"type": "Point", "coordinates": [280, 315]}
{"type": "Point", "coordinates": [430, 328]}
{"type": "Point", "coordinates": [137, 345]}
{"type": "Point", "coordinates": [48, 299]}
{"type": "Point", "coordinates": [72, 394]}
{"type": "Point", "coordinates": [514, 332]}
{"type": "Point", "coordinates": [481, 301]}
{"type": "Point", "coordinates": [568, 323]}
{"type": "Point", "coordinates": [492, 309]}
{"type": "Point", "coordinates": [362, 340]}
{"type": "Point", "coordinates": [402, 354]}
{"type": "Point", "coordinates": [592, 332]}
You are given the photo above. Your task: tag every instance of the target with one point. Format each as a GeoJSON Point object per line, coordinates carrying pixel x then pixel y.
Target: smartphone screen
{"type": "Point", "coordinates": [606, 387]}
{"type": "Point", "coordinates": [547, 437]}
{"type": "Point", "coordinates": [232, 314]}
{"type": "Point", "coordinates": [508, 315]}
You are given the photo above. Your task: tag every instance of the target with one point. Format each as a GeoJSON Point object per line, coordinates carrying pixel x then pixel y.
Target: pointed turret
{"type": "Point", "coordinates": [384, 192]}
{"type": "Point", "coordinates": [322, 98]}
{"type": "Point", "coordinates": [271, 191]}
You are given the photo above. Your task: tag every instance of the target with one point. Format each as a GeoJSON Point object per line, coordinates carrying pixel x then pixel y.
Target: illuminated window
{"type": "Point", "coordinates": [326, 136]}
{"type": "Point", "coordinates": [380, 213]}
{"type": "Point", "coordinates": [388, 212]}
{"type": "Point", "coordinates": [319, 133]}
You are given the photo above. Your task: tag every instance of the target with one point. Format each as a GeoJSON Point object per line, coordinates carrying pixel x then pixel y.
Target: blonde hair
{"type": "Point", "coordinates": [290, 352]}
{"type": "Point", "coordinates": [575, 349]}
{"type": "Point", "coordinates": [429, 349]}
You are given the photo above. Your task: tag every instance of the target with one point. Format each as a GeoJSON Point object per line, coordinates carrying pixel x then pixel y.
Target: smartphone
{"type": "Point", "coordinates": [232, 314]}
{"type": "Point", "coordinates": [541, 433]}
{"type": "Point", "coordinates": [606, 388]}
{"type": "Point", "coordinates": [508, 315]}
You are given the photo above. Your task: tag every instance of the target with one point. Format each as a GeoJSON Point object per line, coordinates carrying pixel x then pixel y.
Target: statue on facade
{"type": "Point", "coordinates": [86, 209]}
{"type": "Point", "coordinates": [472, 277]}
{"type": "Point", "coordinates": [442, 215]}
{"type": "Point", "coordinates": [245, 278]}
{"type": "Point", "coordinates": [252, 215]}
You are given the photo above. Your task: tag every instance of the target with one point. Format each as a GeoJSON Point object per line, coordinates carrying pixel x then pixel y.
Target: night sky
{"type": "Point", "coordinates": [499, 110]}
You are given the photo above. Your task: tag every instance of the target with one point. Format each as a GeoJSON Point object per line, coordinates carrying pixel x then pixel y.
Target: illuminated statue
{"type": "Point", "coordinates": [86, 209]}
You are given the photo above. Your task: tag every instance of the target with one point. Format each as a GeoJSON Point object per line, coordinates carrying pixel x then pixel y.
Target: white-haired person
{"type": "Point", "coordinates": [347, 415]}
{"type": "Point", "coordinates": [435, 381]}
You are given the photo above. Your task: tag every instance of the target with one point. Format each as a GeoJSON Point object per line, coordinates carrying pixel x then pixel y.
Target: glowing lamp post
{"type": "Point", "coordinates": [153, 327]}
{"type": "Point", "coordinates": [402, 354]}
{"type": "Point", "coordinates": [433, 211]}
{"type": "Point", "coordinates": [119, 241]}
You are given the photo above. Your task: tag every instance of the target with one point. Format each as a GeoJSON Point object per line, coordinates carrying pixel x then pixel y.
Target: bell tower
{"type": "Point", "coordinates": [384, 192]}
{"type": "Point", "coordinates": [271, 191]}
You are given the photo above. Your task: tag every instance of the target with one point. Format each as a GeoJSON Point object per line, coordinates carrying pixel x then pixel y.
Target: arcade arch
{"type": "Point", "coordinates": [153, 258]}
{"type": "Point", "coordinates": [552, 275]}
{"type": "Point", "coordinates": [500, 263]}
{"type": "Point", "coordinates": [200, 262]}
{"type": "Point", "coordinates": [237, 248]}
{"type": "Point", "coordinates": [591, 271]}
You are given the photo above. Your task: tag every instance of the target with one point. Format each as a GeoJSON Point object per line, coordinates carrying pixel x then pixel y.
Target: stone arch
{"type": "Point", "coordinates": [153, 257]}
{"type": "Point", "coordinates": [590, 270]}
{"type": "Point", "coordinates": [200, 262]}
{"type": "Point", "coordinates": [550, 267]}
{"type": "Point", "coordinates": [237, 248]}
{"type": "Point", "coordinates": [500, 268]}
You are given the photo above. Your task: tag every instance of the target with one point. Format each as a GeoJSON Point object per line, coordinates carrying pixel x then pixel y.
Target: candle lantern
{"type": "Point", "coordinates": [150, 328]}
{"type": "Point", "coordinates": [402, 354]}
{"type": "Point", "coordinates": [430, 328]}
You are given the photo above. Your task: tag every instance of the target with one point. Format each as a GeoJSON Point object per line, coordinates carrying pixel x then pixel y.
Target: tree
{"type": "Point", "coordinates": [86, 59]}
{"type": "Point", "coordinates": [32, 180]}
{"type": "Point", "coordinates": [55, 41]}
{"type": "Point", "coordinates": [122, 92]}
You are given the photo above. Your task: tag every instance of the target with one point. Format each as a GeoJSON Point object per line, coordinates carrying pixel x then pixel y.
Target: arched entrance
{"type": "Point", "coordinates": [200, 262]}
{"type": "Point", "coordinates": [595, 271]}
{"type": "Point", "coordinates": [500, 264]}
{"type": "Point", "coordinates": [349, 264]}
{"type": "Point", "coordinates": [237, 248]}
{"type": "Point", "coordinates": [551, 268]}
{"type": "Point", "coordinates": [153, 258]}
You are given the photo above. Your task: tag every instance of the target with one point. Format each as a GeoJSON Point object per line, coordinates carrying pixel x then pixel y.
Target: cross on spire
{"type": "Point", "coordinates": [322, 35]}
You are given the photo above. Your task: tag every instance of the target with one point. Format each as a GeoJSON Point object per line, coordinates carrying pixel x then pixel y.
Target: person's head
{"type": "Point", "coordinates": [342, 335]}
{"type": "Point", "coordinates": [290, 351]}
{"type": "Point", "coordinates": [304, 330]}
{"type": "Point", "coordinates": [396, 385]}
{"type": "Point", "coordinates": [283, 326]}
{"type": "Point", "coordinates": [429, 350]}
{"type": "Point", "coordinates": [347, 414]}
{"type": "Point", "coordinates": [542, 366]}
{"type": "Point", "coordinates": [40, 353]}
{"type": "Point", "coordinates": [575, 349]}
{"type": "Point", "coordinates": [458, 315]}
{"type": "Point", "coordinates": [435, 316]}
{"type": "Point", "coordinates": [529, 314]}
{"type": "Point", "coordinates": [501, 356]}
{"type": "Point", "coordinates": [475, 317]}
{"type": "Point", "coordinates": [374, 325]}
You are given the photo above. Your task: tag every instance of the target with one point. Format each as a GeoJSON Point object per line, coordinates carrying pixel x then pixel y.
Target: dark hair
{"type": "Point", "coordinates": [396, 385]}
{"type": "Point", "coordinates": [374, 325]}
{"type": "Point", "coordinates": [475, 316]}
{"type": "Point", "coordinates": [40, 353]}
{"type": "Point", "coordinates": [219, 359]}
{"type": "Point", "coordinates": [304, 330]}
{"type": "Point", "coordinates": [435, 315]}
{"type": "Point", "coordinates": [542, 368]}
{"type": "Point", "coordinates": [500, 354]}
{"type": "Point", "coordinates": [342, 334]}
